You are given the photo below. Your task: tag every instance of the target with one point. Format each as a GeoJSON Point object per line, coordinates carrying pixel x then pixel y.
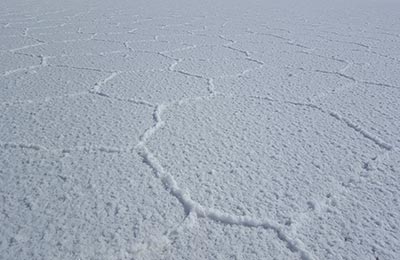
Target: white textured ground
{"type": "Point", "coordinates": [209, 130]}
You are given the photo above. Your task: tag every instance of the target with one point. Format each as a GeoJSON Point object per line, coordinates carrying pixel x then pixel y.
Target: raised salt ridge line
{"type": "Point", "coordinates": [246, 53]}
{"type": "Point", "coordinates": [10, 72]}
{"type": "Point", "coordinates": [81, 148]}
{"type": "Point", "coordinates": [27, 46]}
{"type": "Point", "coordinates": [365, 133]}
{"type": "Point", "coordinates": [82, 68]}
{"type": "Point", "coordinates": [97, 86]}
{"type": "Point", "coordinates": [378, 141]}
{"type": "Point", "coordinates": [23, 146]}
{"type": "Point", "coordinates": [191, 206]}
{"type": "Point", "coordinates": [347, 66]}
{"type": "Point", "coordinates": [380, 84]}
{"type": "Point", "coordinates": [341, 74]}
{"type": "Point", "coordinates": [120, 99]}
{"type": "Point", "coordinates": [94, 148]}
{"type": "Point", "coordinates": [176, 61]}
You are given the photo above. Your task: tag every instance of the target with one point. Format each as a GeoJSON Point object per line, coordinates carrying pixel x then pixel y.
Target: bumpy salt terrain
{"type": "Point", "coordinates": [199, 129]}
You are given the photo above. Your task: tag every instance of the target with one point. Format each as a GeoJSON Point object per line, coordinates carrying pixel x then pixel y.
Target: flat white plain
{"type": "Point", "coordinates": [199, 129]}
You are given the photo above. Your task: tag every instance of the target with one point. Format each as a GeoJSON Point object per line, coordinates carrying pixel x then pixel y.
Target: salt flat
{"type": "Point", "coordinates": [199, 129]}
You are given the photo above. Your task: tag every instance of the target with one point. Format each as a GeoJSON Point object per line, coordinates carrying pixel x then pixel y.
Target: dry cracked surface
{"type": "Point", "coordinates": [211, 130]}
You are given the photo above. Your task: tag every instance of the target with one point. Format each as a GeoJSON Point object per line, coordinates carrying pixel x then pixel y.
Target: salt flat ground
{"type": "Point", "coordinates": [199, 130]}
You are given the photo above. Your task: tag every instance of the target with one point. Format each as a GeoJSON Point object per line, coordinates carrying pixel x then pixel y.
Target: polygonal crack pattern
{"type": "Point", "coordinates": [188, 130]}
